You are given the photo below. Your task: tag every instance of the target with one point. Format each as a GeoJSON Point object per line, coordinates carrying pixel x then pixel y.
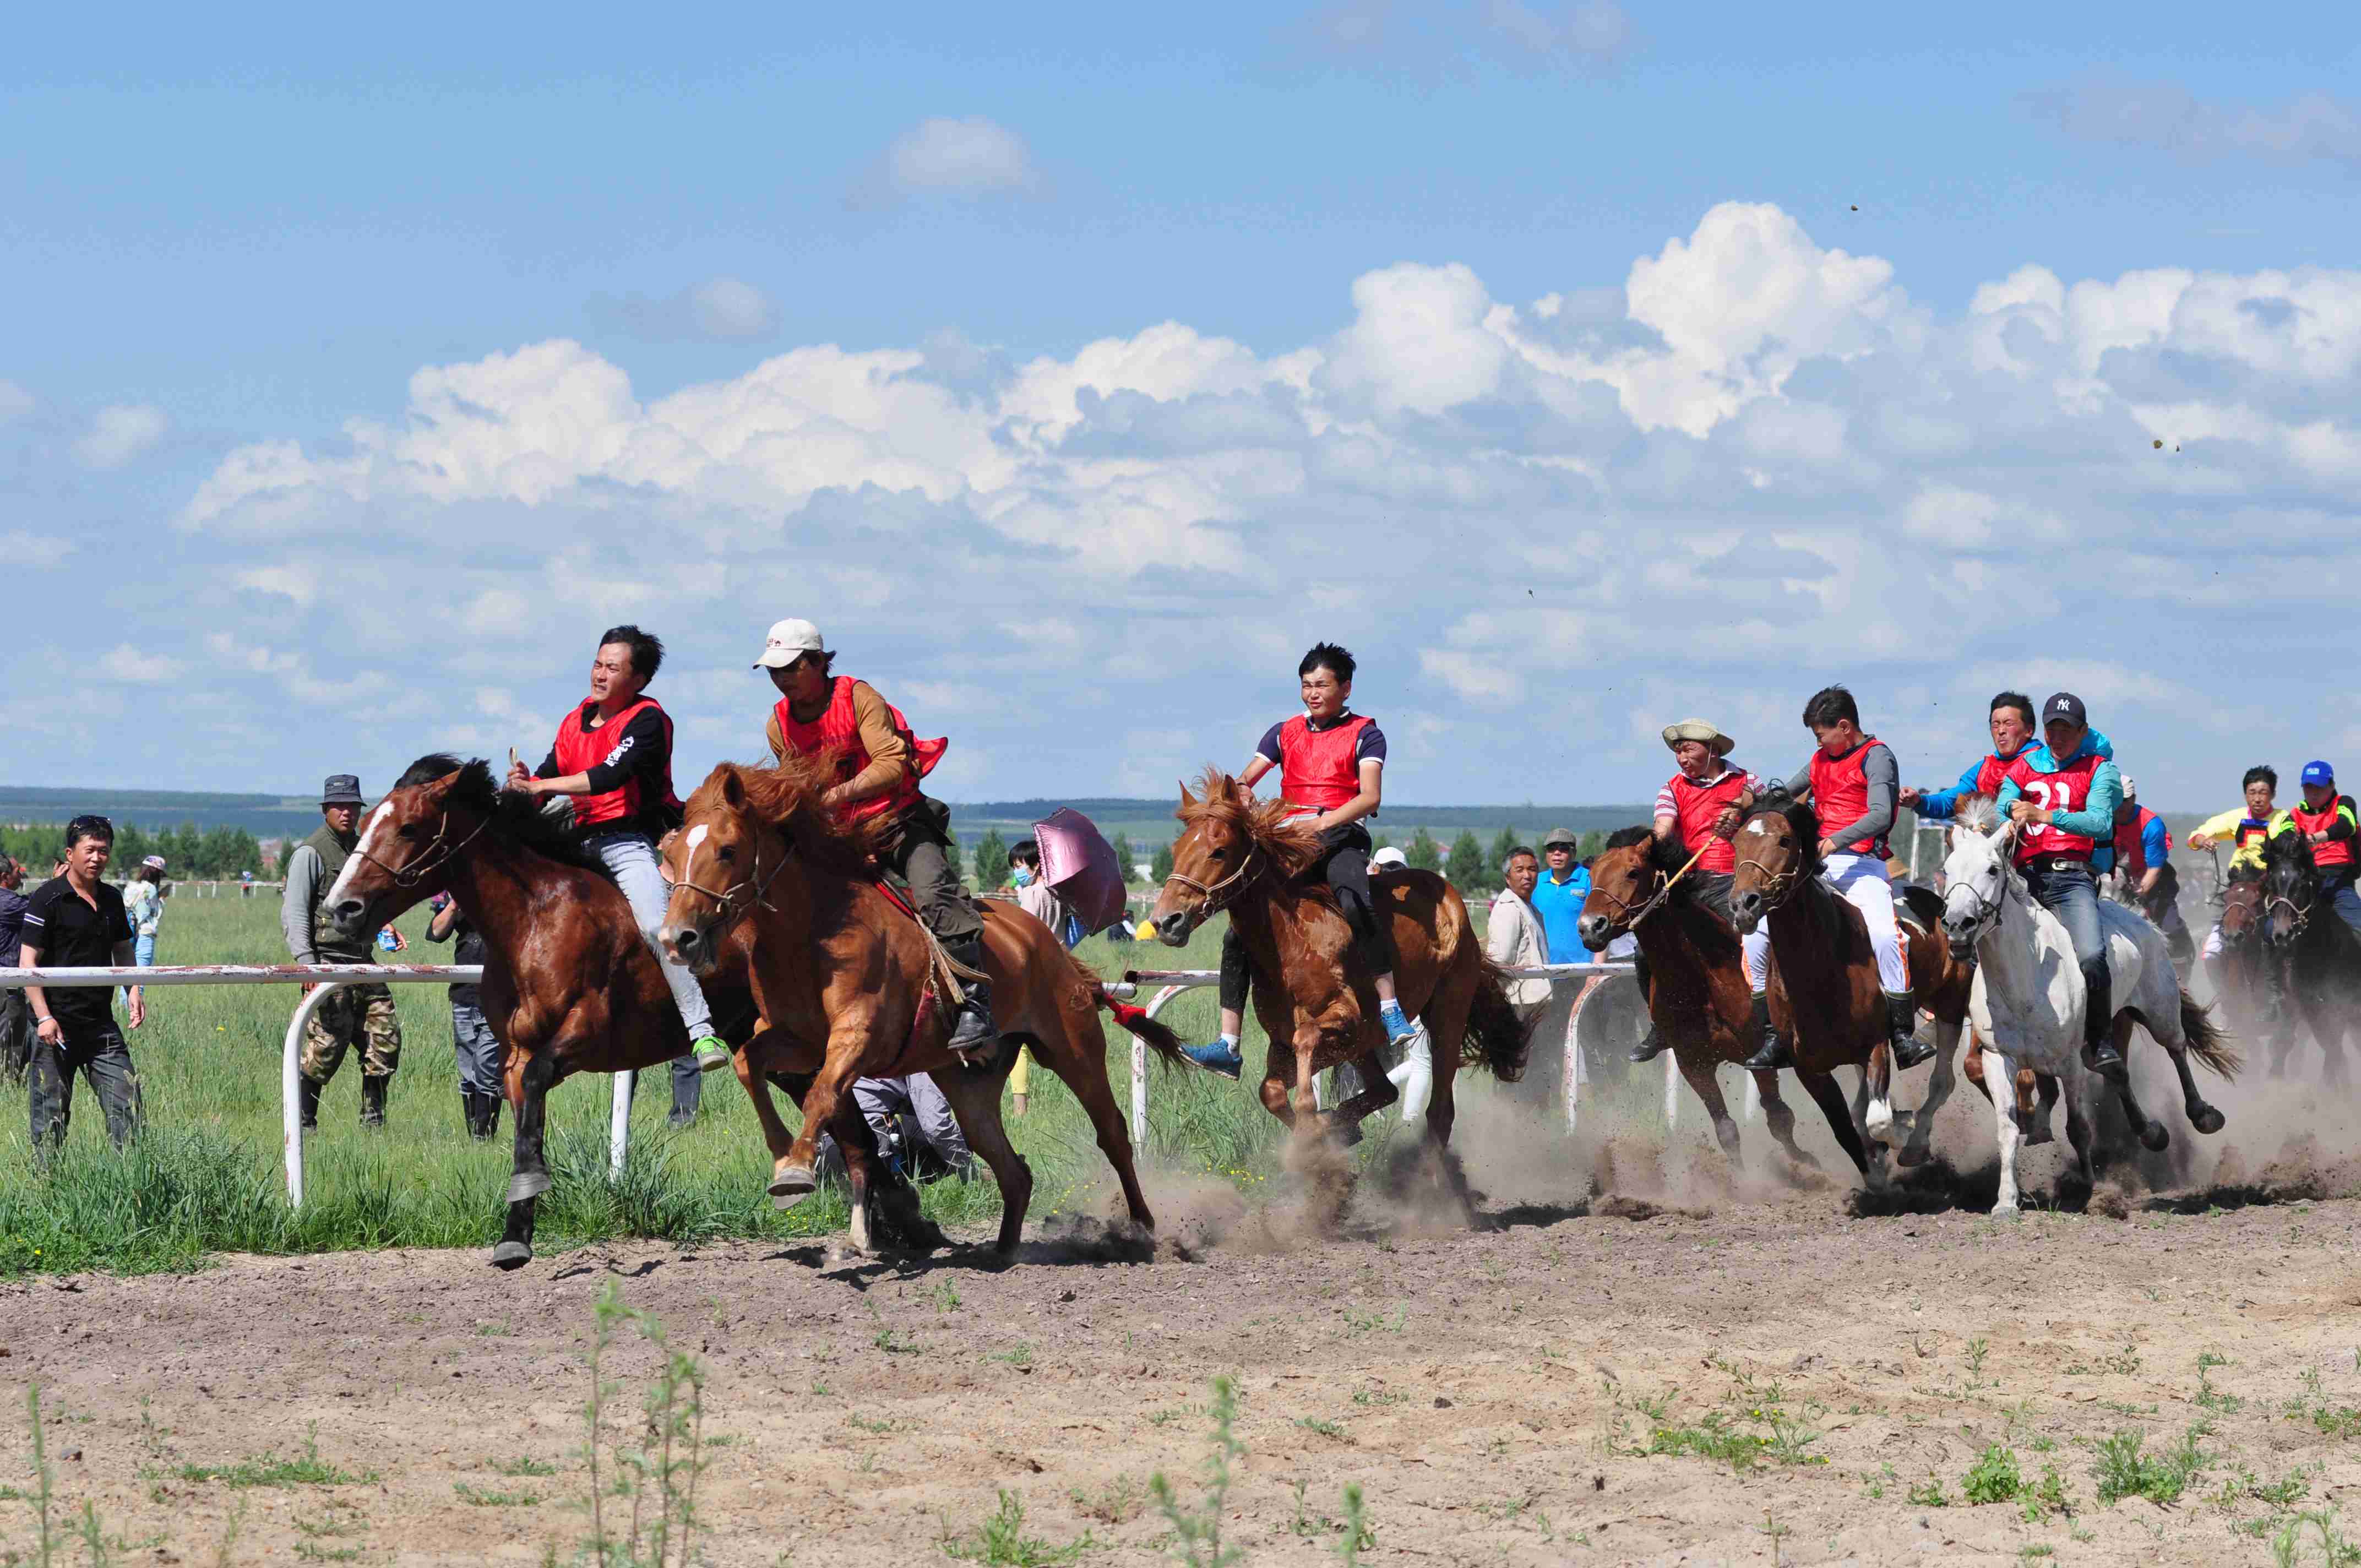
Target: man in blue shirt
{"type": "Point", "coordinates": [1563, 884]}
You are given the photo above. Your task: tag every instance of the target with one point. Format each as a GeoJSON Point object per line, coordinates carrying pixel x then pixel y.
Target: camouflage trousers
{"type": "Point", "coordinates": [358, 1015]}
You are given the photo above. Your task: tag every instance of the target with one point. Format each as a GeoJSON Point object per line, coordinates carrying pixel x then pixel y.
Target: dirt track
{"type": "Point", "coordinates": [1489, 1389]}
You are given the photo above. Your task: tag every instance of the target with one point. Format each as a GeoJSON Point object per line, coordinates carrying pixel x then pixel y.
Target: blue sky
{"type": "Point", "coordinates": [1074, 367]}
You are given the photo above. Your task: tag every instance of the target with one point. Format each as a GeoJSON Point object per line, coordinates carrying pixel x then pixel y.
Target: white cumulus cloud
{"type": "Point", "coordinates": [944, 157]}
{"type": "Point", "coordinates": [130, 664]}
{"type": "Point", "coordinates": [119, 432]}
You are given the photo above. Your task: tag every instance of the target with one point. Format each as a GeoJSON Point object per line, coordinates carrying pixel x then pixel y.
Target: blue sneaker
{"type": "Point", "coordinates": [1219, 1057]}
{"type": "Point", "coordinates": [1398, 1025]}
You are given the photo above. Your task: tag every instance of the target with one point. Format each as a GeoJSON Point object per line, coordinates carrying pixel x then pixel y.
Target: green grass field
{"type": "Point", "coordinates": [206, 1175]}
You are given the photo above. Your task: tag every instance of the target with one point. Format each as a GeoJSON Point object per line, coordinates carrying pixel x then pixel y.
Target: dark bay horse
{"type": "Point", "coordinates": [843, 982]}
{"type": "Point", "coordinates": [2249, 976]}
{"type": "Point", "coordinates": [2322, 954]}
{"type": "Point", "coordinates": [569, 983]}
{"type": "Point", "coordinates": [1835, 1010]}
{"type": "Point", "coordinates": [1317, 1007]}
{"type": "Point", "coordinates": [1698, 991]}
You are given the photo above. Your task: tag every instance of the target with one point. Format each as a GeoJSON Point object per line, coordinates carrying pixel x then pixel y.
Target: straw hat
{"type": "Point", "coordinates": [1698, 730]}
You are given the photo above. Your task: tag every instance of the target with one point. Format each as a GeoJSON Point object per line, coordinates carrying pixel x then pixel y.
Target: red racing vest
{"type": "Point", "coordinates": [2336, 851]}
{"type": "Point", "coordinates": [1840, 794]}
{"type": "Point", "coordinates": [837, 732]}
{"type": "Point", "coordinates": [1316, 767]}
{"type": "Point", "coordinates": [2131, 843]}
{"type": "Point", "coordinates": [2068, 789]}
{"type": "Point", "coordinates": [1694, 806]}
{"type": "Point", "coordinates": [579, 750]}
{"type": "Point", "coordinates": [1994, 768]}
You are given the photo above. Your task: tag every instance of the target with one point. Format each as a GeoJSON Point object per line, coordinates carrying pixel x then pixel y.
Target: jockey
{"type": "Point", "coordinates": [1856, 787]}
{"type": "Point", "coordinates": [1699, 808]}
{"type": "Point", "coordinates": [2246, 829]}
{"type": "Point", "coordinates": [613, 757]}
{"type": "Point", "coordinates": [2327, 821]}
{"type": "Point", "coordinates": [1331, 764]}
{"type": "Point", "coordinates": [2143, 852]}
{"type": "Point", "coordinates": [2012, 732]}
{"type": "Point", "coordinates": [878, 766]}
{"type": "Point", "coordinates": [2064, 797]}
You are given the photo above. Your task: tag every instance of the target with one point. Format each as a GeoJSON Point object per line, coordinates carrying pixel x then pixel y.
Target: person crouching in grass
{"type": "Point", "coordinates": [75, 921]}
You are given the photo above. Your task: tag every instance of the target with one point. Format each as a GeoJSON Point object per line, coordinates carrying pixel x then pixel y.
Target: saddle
{"type": "Point", "coordinates": [945, 976]}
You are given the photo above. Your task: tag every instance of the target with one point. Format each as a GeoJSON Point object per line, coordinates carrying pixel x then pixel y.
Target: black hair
{"type": "Point", "coordinates": [2269, 774]}
{"type": "Point", "coordinates": [1829, 706]}
{"type": "Point", "coordinates": [647, 649]}
{"type": "Point", "coordinates": [824, 657]}
{"type": "Point", "coordinates": [1026, 850]}
{"type": "Point", "coordinates": [89, 825]}
{"type": "Point", "coordinates": [2017, 700]}
{"type": "Point", "coordinates": [1522, 852]}
{"type": "Point", "coordinates": [1330, 657]}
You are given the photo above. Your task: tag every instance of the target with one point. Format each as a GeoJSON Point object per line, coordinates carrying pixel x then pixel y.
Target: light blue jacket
{"type": "Point", "coordinates": [2096, 820]}
{"type": "Point", "coordinates": [1943, 805]}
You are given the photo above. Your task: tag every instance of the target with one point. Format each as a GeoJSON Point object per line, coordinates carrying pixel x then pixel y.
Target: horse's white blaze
{"type": "Point", "coordinates": [1758, 826]}
{"type": "Point", "coordinates": [361, 849]}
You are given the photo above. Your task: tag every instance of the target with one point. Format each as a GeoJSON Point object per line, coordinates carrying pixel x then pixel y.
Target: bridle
{"type": "Point", "coordinates": [1628, 917]}
{"type": "Point", "coordinates": [409, 876]}
{"type": "Point", "coordinates": [733, 910]}
{"type": "Point", "coordinates": [1219, 895]}
{"type": "Point", "coordinates": [2300, 912]}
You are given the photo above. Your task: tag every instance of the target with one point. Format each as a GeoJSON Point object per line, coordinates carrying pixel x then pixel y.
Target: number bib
{"type": "Point", "coordinates": [2068, 789]}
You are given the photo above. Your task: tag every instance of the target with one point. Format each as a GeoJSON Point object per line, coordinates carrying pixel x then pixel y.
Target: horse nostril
{"type": "Point", "coordinates": [687, 939]}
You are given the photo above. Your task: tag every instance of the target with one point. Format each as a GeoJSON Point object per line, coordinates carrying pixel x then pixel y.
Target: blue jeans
{"type": "Point", "coordinates": [2067, 890]}
{"type": "Point", "coordinates": [631, 860]}
{"type": "Point", "coordinates": [2338, 888]}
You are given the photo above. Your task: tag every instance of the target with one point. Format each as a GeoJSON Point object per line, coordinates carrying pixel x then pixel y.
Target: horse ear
{"type": "Point", "coordinates": [440, 787]}
{"type": "Point", "coordinates": [1186, 798]}
{"type": "Point", "coordinates": [733, 790]}
{"type": "Point", "coordinates": [1242, 794]}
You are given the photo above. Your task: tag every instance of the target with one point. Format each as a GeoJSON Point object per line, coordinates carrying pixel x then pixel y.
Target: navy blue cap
{"type": "Point", "coordinates": [2319, 772]}
{"type": "Point", "coordinates": [2068, 707]}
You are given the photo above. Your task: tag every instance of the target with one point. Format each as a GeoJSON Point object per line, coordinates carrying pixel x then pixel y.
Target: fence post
{"type": "Point", "coordinates": [619, 1124]}
{"type": "Point", "coordinates": [1139, 1071]}
{"type": "Point", "coordinates": [290, 1086]}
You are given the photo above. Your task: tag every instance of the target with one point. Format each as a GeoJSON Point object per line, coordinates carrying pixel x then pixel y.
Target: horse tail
{"type": "Point", "coordinates": [2208, 1041]}
{"type": "Point", "coordinates": [1159, 1037]}
{"type": "Point", "coordinates": [1496, 1037]}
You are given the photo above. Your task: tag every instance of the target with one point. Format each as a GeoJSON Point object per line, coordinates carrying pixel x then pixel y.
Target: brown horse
{"type": "Point", "coordinates": [2242, 972]}
{"type": "Point", "coordinates": [1698, 993]}
{"type": "Point", "coordinates": [1315, 1006]}
{"type": "Point", "coordinates": [1834, 1010]}
{"type": "Point", "coordinates": [844, 985]}
{"type": "Point", "coordinates": [570, 982]}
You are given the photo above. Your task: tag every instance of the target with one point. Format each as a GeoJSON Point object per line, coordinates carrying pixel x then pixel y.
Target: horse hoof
{"type": "Point", "coordinates": [2154, 1138]}
{"type": "Point", "coordinates": [792, 1181]}
{"type": "Point", "coordinates": [2006, 1211]}
{"type": "Point", "coordinates": [527, 1184]}
{"type": "Point", "coordinates": [512, 1256]}
{"type": "Point", "coordinates": [2040, 1133]}
{"type": "Point", "coordinates": [2208, 1121]}
{"type": "Point", "coordinates": [788, 1200]}
{"type": "Point", "coordinates": [1911, 1158]}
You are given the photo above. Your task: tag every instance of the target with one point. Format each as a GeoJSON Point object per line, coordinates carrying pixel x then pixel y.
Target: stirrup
{"type": "Point", "coordinates": [1649, 1048]}
{"type": "Point", "coordinates": [1770, 1056]}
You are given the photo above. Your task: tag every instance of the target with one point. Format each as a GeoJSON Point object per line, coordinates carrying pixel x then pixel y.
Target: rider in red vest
{"type": "Point", "coordinates": [2063, 794]}
{"type": "Point", "coordinates": [877, 766]}
{"type": "Point", "coordinates": [1856, 789]}
{"type": "Point", "coordinates": [2144, 866]}
{"type": "Point", "coordinates": [1331, 763]}
{"type": "Point", "coordinates": [613, 759]}
{"type": "Point", "coordinates": [2326, 820]}
{"type": "Point", "coordinates": [1699, 808]}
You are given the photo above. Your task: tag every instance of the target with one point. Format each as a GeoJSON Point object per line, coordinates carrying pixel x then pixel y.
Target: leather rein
{"type": "Point", "coordinates": [732, 909]}
{"type": "Point", "coordinates": [409, 876]}
{"type": "Point", "coordinates": [1220, 896]}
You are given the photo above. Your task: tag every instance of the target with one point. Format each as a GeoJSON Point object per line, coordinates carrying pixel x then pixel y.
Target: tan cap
{"type": "Point", "coordinates": [1698, 730]}
{"type": "Point", "coordinates": [790, 639]}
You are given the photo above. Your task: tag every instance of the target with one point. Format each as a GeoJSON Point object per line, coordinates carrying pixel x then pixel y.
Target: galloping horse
{"type": "Point", "coordinates": [570, 982]}
{"type": "Point", "coordinates": [846, 984]}
{"type": "Point", "coordinates": [2029, 1002]}
{"type": "Point", "coordinates": [1315, 1006]}
{"type": "Point", "coordinates": [2322, 954]}
{"type": "Point", "coordinates": [1698, 993]}
{"type": "Point", "coordinates": [1835, 1011]}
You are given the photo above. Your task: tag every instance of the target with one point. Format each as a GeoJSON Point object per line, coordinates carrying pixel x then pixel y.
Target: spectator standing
{"type": "Point", "coordinates": [1558, 895]}
{"type": "Point", "coordinates": [143, 906]}
{"type": "Point", "coordinates": [76, 921]}
{"type": "Point", "coordinates": [356, 1014]}
{"type": "Point", "coordinates": [1515, 937]}
{"type": "Point", "coordinates": [1039, 900]}
{"type": "Point", "coordinates": [16, 1014]}
{"type": "Point", "coordinates": [482, 1057]}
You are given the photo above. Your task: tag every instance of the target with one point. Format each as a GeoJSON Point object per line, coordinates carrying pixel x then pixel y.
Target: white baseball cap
{"type": "Point", "coordinates": [790, 639]}
{"type": "Point", "coordinates": [1390, 856]}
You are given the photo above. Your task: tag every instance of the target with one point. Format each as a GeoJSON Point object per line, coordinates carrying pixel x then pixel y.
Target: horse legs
{"type": "Point", "coordinates": [2080, 1132]}
{"type": "Point", "coordinates": [1378, 1091]}
{"type": "Point", "coordinates": [792, 1175]}
{"type": "Point", "coordinates": [1698, 1072]}
{"type": "Point", "coordinates": [1823, 1089]}
{"type": "Point", "coordinates": [1780, 1118]}
{"type": "Point", "coordinates": [2201, 1116]}
{"type": "Point", "coordinates": [1877, 1083]}
{"type": "Point", "coordinates": [2034, 1117]}
{"type": "Point", "coordinates": [974, 1099]}
{"type": "Point", "coordinates": [1874, 1153]}
{"type": "Point", "coordinates": [1079, 1059]}
{"type": "Point", "coordinates": [1998, 1071]}
{"type": "Point", "coordinates": [2152, 1135]}
{"type": "Point", "coordinates": [775, 1129]}
{"type": "Point", "coordinates": [1941, 1080]}
{"type": "Point", "coordinates": [529, 1177]}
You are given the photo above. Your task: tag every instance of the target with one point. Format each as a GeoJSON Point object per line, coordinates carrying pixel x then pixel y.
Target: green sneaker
{"type": "Point", "coordinates": [712, 1054]}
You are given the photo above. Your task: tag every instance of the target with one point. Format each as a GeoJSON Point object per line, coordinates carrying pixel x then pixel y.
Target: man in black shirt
{"type": "Point", "coordinates": [76, 921]}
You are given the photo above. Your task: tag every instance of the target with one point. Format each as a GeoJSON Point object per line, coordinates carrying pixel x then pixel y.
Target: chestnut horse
{"type": "Point", "coordinates": [570, 984]}
{"type": "Point", "coordinates": [1315, 1006]}
{"type": "Point", "coordinates": [1698, 993]}
{"type": "Point", "coordinates": [1834, 1010]}
{"type": "Point", "coordinates": [843, 986]}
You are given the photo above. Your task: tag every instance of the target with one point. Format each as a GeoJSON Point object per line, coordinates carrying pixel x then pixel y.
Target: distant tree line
{"type": "Point", "coordinates": [188, 851]}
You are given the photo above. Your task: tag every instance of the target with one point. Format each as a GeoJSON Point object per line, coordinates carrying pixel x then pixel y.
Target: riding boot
{"type": "Point", "coordinates": [483, 1113]}
{"type": "Point", "coordinates": [373, 1101]}
{"type": "Point", "coordinates": [1772, 1053]}
{"type": "Point", "coordinates": [2099, 1053]}
{"type": "Point", "coordinates": [1902, 1034]}
{"type": "Point", "coordinates": [1652, 1043]}
{"type": "Point", "coordinates": [973, 1030]}
{"type": "Point", "coordinates": [308, 1096]}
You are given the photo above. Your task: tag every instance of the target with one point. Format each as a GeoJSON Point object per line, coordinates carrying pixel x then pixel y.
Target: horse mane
{"type": "Point", "coordinates": [790, 795]}
{"type": "Point", "coordinates": [1976, 813]}
{"type": "Point", "coordinates": [515, 818]}
{"type": "Point", "coordinates": [1665, 855]}
{"type": "Point", "coordinates": [1272, 826]}
{"type": "Point", "coordinates": [2280, 848]}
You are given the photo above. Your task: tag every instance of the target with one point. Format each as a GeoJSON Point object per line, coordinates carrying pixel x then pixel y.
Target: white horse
{"type": "Point", "coordinates": [2028, 1001]}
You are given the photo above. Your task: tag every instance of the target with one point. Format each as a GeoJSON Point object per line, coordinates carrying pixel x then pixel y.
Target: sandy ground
{"type": "Point", "coordinates": [1490, 1388]}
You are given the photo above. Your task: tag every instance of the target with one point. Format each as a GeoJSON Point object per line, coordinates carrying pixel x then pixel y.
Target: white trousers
{"type": "Point", "coordinates": [631, 860]}
{"type": "Point", "coordinates": [1861, 882]}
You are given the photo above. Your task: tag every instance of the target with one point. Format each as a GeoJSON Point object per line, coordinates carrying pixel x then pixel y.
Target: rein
{"type": "Point", "coordinates": [411, 876]}
{"type": "Point", "coordinates": [733, 911]}
{"type": "Point", "coordinates": [1627, 918]}
{"type": "Point", "coordinates": [1213, 893]}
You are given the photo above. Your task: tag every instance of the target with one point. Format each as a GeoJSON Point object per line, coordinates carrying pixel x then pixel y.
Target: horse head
{"type": "Point", "coordinates": [1625, 874]}
{"type": "Point", "coordinates": [717, 866]}
{"type": "Point", "coordinates": [1975, 873]}
{"type": "Point", "coordinates": [2241, 905]}
{"type": "Point", "coordinates": [1227, 841]}
{"type": "Point", "coordinates": [1778, 850]}
{"type": "Point", "coordinates": [435, 810]}
{"type": "Point", "coordinates": [2290, 886]}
